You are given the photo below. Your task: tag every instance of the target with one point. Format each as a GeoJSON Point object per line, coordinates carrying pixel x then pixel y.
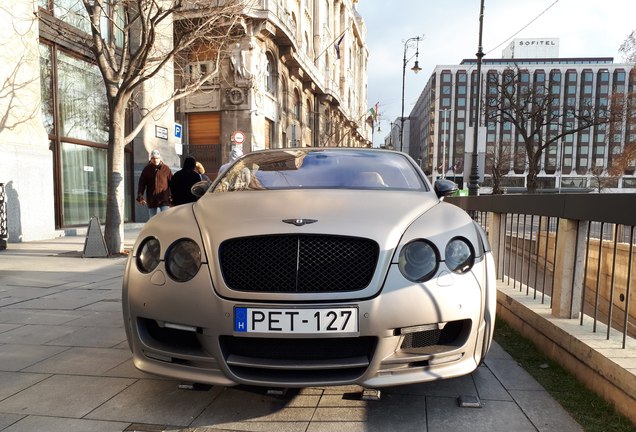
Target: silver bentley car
{"type": "Point", "coordinates": [312, 266]}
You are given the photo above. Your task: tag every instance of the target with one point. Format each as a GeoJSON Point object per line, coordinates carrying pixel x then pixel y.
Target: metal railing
{"type": "Point", "coordinates": [575, 251]}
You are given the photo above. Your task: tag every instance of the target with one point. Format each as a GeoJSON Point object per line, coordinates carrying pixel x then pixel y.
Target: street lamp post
{"type": "Point", "coordinates": [416, 68]}
{"type": "Point", "coordinates": [473, 184]}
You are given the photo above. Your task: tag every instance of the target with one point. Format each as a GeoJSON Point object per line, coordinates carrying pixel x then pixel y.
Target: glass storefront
{"type": "Point", "coordinates": [84, 176]}
{"type": "Point", "coordinates": [75, 113]}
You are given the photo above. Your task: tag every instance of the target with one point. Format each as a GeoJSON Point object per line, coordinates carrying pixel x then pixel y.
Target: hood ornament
{"type": "Point", "coordinates": [300, 222]}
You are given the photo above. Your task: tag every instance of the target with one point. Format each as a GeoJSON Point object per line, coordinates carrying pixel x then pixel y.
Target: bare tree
{"type": "Point", "coordinates": [628, 48]}
{"type": "Point", "coordinates": [621, 160]}
{"type": "Point", "coordinates": [601, 179]}
{"type": "Point", "coordinates": [619, 164]}
{"type": "Point", "coordinates": [135, 42]}
{"type": "Point", "coordinates": [537, 116]}
{"type": "Point", "coordinates": [498, 162]}
{"type": "Point", "coordinates": [624, 161]}
{"type": "Point", "coordinates": [13, 111]}
{"type": "Point", "coordinates": [17, 76]}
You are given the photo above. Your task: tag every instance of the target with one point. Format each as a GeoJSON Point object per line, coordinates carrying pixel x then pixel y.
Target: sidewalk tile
{"type": "Point", "coordinates": [64, 396]}
{"type": "Point", "coordinates": [155, 401]}
{"type": "Point", "coordinates": [49, 424]}
{"type": "Point", "coordinates": [14, 357]}
{"type": "Point", "coordinates": [81, 361]}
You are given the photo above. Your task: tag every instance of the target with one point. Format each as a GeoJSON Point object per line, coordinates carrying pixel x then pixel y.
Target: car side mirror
{"type": "Point", "coordinates": [444, 188]}
{"type": "Point", "coordinates": [199, 188]}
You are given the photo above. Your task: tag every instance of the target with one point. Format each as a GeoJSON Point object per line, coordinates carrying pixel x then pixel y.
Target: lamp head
{"type": "Point", "coordinates": [416, 67]}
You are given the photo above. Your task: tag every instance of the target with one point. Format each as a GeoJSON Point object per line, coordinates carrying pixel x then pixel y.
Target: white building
{"type": "Point", "coordinates": [444, 113]}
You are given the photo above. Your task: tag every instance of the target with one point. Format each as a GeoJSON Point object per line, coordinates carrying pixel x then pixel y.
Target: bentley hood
{"type": "Point", "coordinates": [382, 216]}
{"type": "Point", "coordinates": [379, 215]}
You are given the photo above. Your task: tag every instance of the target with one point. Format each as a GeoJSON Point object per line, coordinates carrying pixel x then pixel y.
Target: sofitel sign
{"type": "Point", "coordinates": [537, 42]}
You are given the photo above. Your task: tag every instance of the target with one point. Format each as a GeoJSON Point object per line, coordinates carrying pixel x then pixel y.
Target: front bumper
{"type": "Point", "coordinates": [408, 333]}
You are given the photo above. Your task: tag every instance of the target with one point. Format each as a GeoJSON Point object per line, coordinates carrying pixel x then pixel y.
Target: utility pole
{"type": "Point", "coordinates": [473, 184]}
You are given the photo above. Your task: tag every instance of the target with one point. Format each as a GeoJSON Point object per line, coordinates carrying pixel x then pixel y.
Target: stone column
{"type": "Point", "coordinates": [569, 269]}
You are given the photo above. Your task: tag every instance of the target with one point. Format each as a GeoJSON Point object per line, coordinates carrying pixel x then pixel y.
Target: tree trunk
{"type": "Point", "coordinates": [534, 160]}
{"type": "Point", "coordinates": [533, 173]}
{"type": "Point", "coordinates": [114, 229]}
{"type": "Point", "coordinates": [531, 179]}
{"type": "Point", "coordinates": [496, 181]}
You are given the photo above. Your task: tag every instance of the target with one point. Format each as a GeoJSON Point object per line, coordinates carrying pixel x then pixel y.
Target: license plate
{"type": "Point", "coordinates": [296, 321]}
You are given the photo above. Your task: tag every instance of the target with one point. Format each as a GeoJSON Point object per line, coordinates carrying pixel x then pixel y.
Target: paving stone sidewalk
{"type": "Point", "coordinates": [65, 366]}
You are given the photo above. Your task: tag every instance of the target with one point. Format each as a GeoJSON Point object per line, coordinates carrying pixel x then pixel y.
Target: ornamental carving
{"type": "Point", "coordinates": [235, 96]}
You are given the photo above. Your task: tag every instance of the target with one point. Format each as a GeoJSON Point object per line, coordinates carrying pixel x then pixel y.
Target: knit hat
{"type": "Point", "coordinates": [155, 154]}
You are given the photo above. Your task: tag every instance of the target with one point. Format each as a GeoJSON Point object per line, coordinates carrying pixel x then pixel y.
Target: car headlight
{"type": "Point", "coordinates": [459, 255]}
{"type": "Point", "coordinates": [149, 255]}
{"type": "Point", "coordinates": [418, 260]}
{"type": "Point", "coordinates": [183, 260]}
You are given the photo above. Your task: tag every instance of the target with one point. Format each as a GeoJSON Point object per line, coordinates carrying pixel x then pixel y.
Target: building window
{"type": "Point", "coordinates": [82, 100]}
{"type": "Point", "coordinates": [270, 74]}
{"type": "Point", "coordinates": [198, 70]}
{"type": "Point", "coordinates": [307, 45]}
{"type": "Point", "coordinates": [46, 79]}
{"type": "Point", "coordinates": [297, 108]}
{"type": "Point", "coordinates": [72, 12]}
{"type": "Point", "coordinates": [285, 96]}
{"type": "Point", "coordinates": [308, 119]}
{"type": "Point", "coordinates": [294, 136]}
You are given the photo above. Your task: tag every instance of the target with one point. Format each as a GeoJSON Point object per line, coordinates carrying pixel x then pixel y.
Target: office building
{"type": "Point", "coordinates": [442, 125]}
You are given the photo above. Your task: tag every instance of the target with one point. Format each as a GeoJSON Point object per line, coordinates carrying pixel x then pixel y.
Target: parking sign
{"type": "Point", "coordinates": [178, 129]}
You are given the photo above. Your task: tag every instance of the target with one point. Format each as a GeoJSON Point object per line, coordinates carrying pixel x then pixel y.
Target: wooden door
{"type": "Point", "coordinates": [204, 138]}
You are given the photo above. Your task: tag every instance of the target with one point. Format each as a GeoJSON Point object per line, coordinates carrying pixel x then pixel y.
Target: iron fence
{"type": "Point", "coordinates": [585, 272]}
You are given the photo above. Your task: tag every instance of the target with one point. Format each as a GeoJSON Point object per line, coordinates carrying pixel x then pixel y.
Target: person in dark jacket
{"type": "Point", "coordinates": [182, 181]}
{"type": "Point", "coordinates": [154, 181]}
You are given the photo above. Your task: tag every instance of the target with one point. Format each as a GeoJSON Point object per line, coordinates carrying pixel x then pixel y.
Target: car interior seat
{"type": "Point", "coordinates": [368, 179]}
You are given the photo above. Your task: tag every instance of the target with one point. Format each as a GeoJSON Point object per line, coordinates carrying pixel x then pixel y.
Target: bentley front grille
{"type": "Point", "coordinates": [298, 263]}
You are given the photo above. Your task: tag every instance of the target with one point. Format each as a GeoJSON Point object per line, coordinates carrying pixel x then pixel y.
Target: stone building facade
{"type": "Point", "coordinates": [297, 77]}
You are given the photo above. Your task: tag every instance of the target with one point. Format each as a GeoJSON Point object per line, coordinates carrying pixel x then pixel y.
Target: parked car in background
{"type": "Point", "coordinates": [312, 266]}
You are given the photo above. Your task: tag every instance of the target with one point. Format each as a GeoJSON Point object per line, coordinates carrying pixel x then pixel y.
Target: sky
{"type": "Point", "coordinates": [450, 30]}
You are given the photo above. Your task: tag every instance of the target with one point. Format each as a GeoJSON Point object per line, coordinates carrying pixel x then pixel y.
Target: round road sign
{"type": "Point", "coordinates": [238, 137]}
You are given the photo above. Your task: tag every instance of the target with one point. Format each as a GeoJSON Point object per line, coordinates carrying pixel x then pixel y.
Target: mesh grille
{"type": "Point", "coordinates": [421, 339]}
{"type": "Point", "coordinates": [291, 263]}
{"type": "Point", "coordinates": [454, 333]}
{"type": "Point", "coordinates": [299, 350]}
{"type": "Point", "coordinates": [339, 358]}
